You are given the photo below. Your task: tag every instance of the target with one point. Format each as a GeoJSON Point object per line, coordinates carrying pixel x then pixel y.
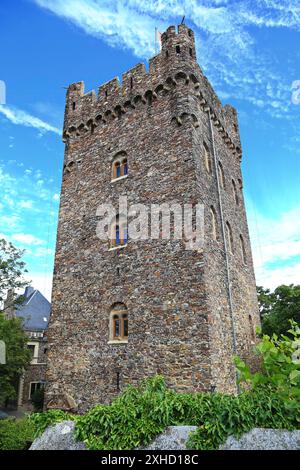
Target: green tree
{"type": "Point", "coordinates": [278, 307]}
{"type": "Point", "coordinates": [12, 269]}
{"type": "Point", "coordinates": [18, 356]}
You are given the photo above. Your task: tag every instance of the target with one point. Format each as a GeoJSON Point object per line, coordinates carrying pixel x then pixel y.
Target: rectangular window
{"type": "Point", "coordinates": [34, 386]}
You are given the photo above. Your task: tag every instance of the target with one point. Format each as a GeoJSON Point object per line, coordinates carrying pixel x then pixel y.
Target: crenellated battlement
{"type": "Point", "coordinates": [173, 68]}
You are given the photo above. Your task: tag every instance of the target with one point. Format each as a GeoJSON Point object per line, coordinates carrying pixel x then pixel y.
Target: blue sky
{"type": "Point", "coordinates": [250, 52]}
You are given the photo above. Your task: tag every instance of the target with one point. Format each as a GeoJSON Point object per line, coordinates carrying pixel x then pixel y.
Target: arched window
{"type": "Point", "coordinates": [120, 165]}
{"type": "Point", "coordinates": [207, 158]}
{"type": "Point", "coordinates": [213, 221]}
{"type": "Point", "coordinates": [119, 231]}
{"type": "Point", "coordinates": [119, 322]}
{"type": "Point", "coordinates": [235, 193]}
{"type": "Point", "coordinates": [229, 237]}
{"type": "Point", "coordinates": [243, 251]}
{"type": "Point", "coordinates": [221, 175]}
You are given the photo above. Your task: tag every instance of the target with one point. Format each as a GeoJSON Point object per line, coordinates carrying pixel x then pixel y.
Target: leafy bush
{"type": "Point", "coordinates": [140, 413]}
{"type": "Point", "coordinates": [233, 415]}
{"type": "Point", "coordinates": [40, 421]}
{"type": "Point", "coordinates": [16, 434]}
{"type": "Point", "coordinates": [280, 367]}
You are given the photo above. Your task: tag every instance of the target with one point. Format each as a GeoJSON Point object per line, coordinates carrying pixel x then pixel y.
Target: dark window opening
{"type": "Point", "coordinates": [34, 386]}
{"type": "Point", "coordinates": [73, 105]}
{"type": "Point", "coordinates": [178, 49]}
{"type": "Point", "coordinates": [116, 326]}
{"type": "Point", "coordinates": [118, 381]}
{"type": "Point", "coordinates": [167, 54]}
{"type": "Point", "coordinates": [131, 82]}
{"type": "Point", "coordinates": [106, 93]}
{"type": "Point", "coordinates": [252, 332]}
{"type": "Point", "coordinates": [125, 325]}
{"type": "Point", "coordinates": [118, 271]}
{"type": "Point", "coordinates": [191, 52]}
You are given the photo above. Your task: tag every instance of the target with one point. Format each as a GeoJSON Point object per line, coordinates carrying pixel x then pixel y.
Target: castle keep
{"type": "Point", "coordinates": [127, 309]}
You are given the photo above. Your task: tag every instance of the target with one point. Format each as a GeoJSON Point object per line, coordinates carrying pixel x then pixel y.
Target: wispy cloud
{"type": "Point", "coordinates": [276, 247]}
{"type": "Point", "coordinates": [19, 117]}
{"type": "Point", "coordinates": [226, 44]}
{"type": "Point", "coordinates": [26, 239]}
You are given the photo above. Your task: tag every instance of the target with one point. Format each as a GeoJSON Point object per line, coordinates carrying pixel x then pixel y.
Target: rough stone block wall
{"type": "Point", "coordinates": [180, 320]}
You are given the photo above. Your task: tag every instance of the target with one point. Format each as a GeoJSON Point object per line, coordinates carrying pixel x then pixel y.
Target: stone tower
{"type": "Point", "coordinates": [130, 309]}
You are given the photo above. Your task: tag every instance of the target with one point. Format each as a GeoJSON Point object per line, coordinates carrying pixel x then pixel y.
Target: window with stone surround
{"type": "Point", "coordinates": [207, 158]}
{"type": "Point", "coordinates": [119, 166]}
{"type": "Point", "coordinates": [119, 231]}
{"type": "Point", "coordinates": [34, 387]}
{"type": "Point", "coordinates": [119, 323]}
{"type": "Point", "coordinates": [33, 347]}
{"type": "Point", "coordinates": [213, 221]}
{"type": "Point", "coordinates": [229, 237]}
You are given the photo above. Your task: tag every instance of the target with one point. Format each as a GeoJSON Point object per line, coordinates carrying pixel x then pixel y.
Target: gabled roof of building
{"type": "Point", "coordinates": [35, 310]}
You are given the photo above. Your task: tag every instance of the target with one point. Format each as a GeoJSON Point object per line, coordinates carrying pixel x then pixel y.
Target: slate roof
{"type": "Point", "coordinates": [35, 310]}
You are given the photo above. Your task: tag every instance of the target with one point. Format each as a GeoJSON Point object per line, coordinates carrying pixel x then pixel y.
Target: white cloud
{"type": "Point", "coordinates": [26, 204]}
{"type": "Point", "coordinates": [56, 197]}
{"type": "Point", "coordinates": [225, 41]}
{"type": "Point", "coordinates": [26, 239]}
{"type": "Point", "coordinates": [19, 117]}
{"type": "Point", "coordinates": [276, 247]}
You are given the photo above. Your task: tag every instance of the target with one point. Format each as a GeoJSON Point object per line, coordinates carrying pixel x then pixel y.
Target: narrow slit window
{"type": "Point", "coordinates": [229, 237]}
{"type": "Point", "coordinates": [177, 49]}
{"type": "Point", "coordinates": [207, 158]}
{"type": "Point", "coordinates": [221, 175]}
{"type": "Point", "coordinates": [213, 220]}
{"type": "Point", "coordinates": [243, 251]}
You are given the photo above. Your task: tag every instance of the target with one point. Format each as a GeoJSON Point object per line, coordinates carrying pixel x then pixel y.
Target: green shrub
{"type": "Point", "coordinates": [234, 415]}
{"type": "Point", "coordinates": [280, 369]}
{"type": "Point", "coordinates": [40, 421]}
{"type": "Point", "coordinates": [16, 434]}
{"type": "Point", "coordinates": [140, 413]}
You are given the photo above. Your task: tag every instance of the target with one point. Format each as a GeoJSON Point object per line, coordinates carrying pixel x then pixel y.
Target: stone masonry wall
{"type": "Point", "coordinates": [180, 321]}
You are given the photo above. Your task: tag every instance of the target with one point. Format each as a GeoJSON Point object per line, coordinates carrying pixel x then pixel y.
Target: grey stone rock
{"type": "Point", "coordinates": [173, 438]}
{"type": "Point", "coordinates": [264, 439]}
{"type": "Point", "coordinates": [58, 437]}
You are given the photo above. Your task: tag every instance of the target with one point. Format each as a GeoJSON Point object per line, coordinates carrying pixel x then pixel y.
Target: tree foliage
{"type": "Point", "coordinates": [12, 269]}
{"type": "Point", "coordinates": [278, 307]}
{"type": "Point", "coordinates": [17, 355]}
